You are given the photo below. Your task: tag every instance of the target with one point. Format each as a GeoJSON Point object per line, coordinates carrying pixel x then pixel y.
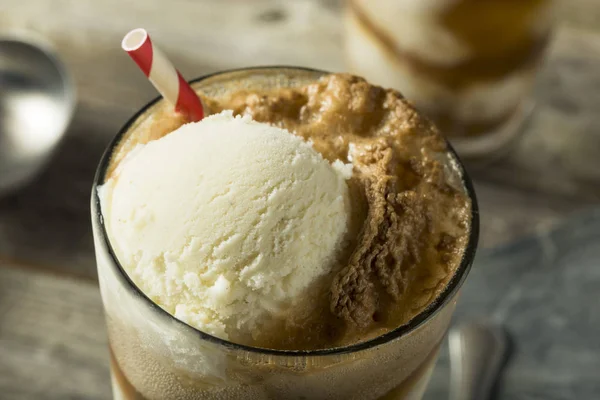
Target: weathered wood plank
{"type": "Point", "coordinates": [52, 339]}
{"type": "Point", "coordinates": [506, 213]}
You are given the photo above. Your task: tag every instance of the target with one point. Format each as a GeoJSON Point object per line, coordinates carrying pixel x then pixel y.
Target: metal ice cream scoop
{"type": "Point", "coordinates": [37, 99]}
{"type": "Point", "coordinates": [477, 353]}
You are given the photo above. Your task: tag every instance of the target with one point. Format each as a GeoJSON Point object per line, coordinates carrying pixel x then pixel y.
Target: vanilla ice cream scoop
{"type": "Point", "coordinates": [225, 223]}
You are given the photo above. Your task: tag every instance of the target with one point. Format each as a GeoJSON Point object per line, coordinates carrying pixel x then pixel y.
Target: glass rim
{"type": "Point", "coordinates": [432, 309]}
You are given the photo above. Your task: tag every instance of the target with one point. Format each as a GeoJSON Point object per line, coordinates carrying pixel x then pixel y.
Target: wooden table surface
{"type": "Point", "coordinates": [50, 314]}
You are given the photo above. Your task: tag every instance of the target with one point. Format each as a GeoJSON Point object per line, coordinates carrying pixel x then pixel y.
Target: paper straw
{"type": "Point", "coordinates": [163, 75]}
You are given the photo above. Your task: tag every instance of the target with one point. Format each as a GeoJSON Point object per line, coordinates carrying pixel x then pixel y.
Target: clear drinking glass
{"type": "Point", "coordinates": [155, 356]}
{"type": "Point", "coordinates": [469, 64]}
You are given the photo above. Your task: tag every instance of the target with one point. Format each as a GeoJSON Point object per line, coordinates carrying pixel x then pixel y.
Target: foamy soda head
{"type": "Point", "coordinates": [156, 356]}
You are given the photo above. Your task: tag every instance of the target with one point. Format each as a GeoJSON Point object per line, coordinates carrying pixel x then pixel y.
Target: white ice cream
{"type": "Point", "coordinates": [225, 223]}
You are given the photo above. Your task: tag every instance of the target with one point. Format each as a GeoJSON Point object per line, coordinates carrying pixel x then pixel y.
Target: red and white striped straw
{"type": "Point", "coordinates": [163, 75]}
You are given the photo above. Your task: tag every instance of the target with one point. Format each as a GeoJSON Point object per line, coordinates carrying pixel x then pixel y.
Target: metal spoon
{"type": "Point", "coordinates": [477, 353]}
{"type": "Point", "coordinates": [37, 100]}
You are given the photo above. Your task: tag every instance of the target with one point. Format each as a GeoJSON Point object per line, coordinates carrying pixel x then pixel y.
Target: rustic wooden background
{"type": "Point", "coordinates": [52, 342]}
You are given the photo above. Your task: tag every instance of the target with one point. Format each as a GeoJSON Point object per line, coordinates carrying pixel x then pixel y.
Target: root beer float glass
{"type": "Point", "coordinates": [468, 64]}
{"type": "Point", "coordinates": [155, 355]}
